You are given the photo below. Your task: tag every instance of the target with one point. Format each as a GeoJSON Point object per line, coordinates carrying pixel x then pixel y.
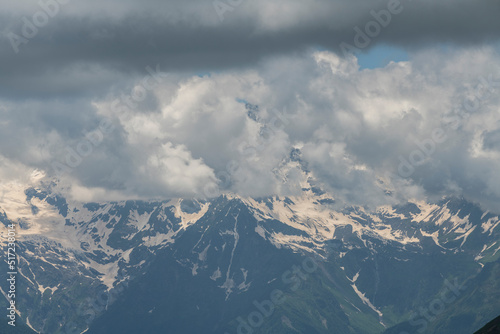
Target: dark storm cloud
{"type": "Point", "coordinates": [105, 40]}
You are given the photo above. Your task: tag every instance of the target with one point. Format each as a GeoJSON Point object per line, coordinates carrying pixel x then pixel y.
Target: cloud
{"type": "Point", "coordinates": [86, 46]}
{"type": "Point", "coordinates": [234, 130]}
{"type": "Point", "coordinates": [492, 140]}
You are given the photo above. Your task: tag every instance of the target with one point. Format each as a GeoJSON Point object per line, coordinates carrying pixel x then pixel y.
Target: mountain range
{"type": "Point", "coordinates": [233, 264]}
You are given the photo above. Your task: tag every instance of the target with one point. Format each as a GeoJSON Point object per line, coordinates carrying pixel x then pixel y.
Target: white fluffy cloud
{"type": "Point", "coordinates": [233, 130]}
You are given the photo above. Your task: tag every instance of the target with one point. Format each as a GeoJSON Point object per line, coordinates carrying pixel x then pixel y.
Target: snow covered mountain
{"type": "Point", "coordinates": [248, 265]}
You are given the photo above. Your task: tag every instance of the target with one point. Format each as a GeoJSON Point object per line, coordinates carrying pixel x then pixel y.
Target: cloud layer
{"type": "Point", "coordinates": [428, 127]}
{"type": "Point", "coordinates": [82, 47]}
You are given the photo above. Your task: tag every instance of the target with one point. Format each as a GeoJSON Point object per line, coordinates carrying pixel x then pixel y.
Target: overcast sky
{"type": "Point", "coordinates": [162, 91]}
